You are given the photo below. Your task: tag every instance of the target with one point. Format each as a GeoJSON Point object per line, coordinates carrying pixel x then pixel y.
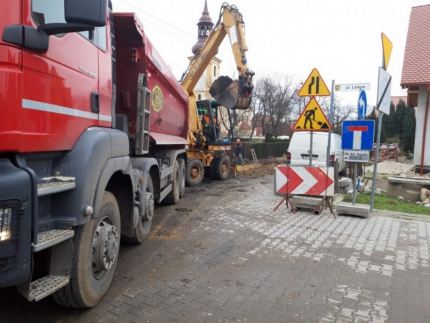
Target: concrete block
{"type": "Point", "coordinates": [345, 185]}
{"type": "Point", "coordinates": [360, 210]}
{"type": "Point", "coordinates": [306, 202]}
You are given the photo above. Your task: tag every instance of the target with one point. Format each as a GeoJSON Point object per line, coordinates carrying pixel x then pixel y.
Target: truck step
{"type": "Point", "coordinates": [55, 184]}
{"type": "Point", "coordinates": [45, 286]}
{"type": "Point", "coordinates": [51, 238]}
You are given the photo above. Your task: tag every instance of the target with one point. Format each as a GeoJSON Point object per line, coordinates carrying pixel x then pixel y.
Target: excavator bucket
{"type": "Point", "coordinates": [231, 94]}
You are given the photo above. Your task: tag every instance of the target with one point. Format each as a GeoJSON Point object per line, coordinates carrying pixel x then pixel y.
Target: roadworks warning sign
{"type": "Point", "coordinates": [312, 118]}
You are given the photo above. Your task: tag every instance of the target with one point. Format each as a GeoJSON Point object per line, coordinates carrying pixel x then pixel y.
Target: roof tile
{"type": "Point", "coordinates": [416, 63]}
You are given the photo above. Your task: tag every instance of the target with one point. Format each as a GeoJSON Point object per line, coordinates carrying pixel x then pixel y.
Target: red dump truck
{"type": "Point", "coordinates": [93, 134]}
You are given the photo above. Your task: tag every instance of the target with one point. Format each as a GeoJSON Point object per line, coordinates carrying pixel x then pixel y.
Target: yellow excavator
{"type": "Point", "coordinates": [207, 150]}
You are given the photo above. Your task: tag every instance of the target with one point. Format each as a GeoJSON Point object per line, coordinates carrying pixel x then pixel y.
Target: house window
{"type": "Point", "coordinates": [214, 71]}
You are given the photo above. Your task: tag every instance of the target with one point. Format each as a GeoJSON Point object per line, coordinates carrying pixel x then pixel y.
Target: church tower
{"type": "Point", "coordinates": [204, 27]}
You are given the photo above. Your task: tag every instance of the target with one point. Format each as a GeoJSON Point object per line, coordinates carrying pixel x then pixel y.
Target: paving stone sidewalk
{"type": "Point", "coordinates": [223, 255]}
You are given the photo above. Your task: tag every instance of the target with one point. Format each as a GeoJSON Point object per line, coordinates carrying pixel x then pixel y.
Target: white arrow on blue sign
{"type": "Point", "coordinates": [362, 105]}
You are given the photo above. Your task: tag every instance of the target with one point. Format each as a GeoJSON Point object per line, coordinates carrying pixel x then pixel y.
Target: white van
{"type": "Point", "coordinates": [299, 150]}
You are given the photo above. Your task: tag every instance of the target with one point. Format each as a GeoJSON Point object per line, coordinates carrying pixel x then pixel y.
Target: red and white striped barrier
{"type": "Point", "coordinates": [304, 180]}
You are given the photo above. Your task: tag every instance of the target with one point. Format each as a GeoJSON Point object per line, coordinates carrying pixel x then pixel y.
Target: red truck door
{"type": "Point", "coordinates": [60, 88]}
{"type": "Point", "coordinates": [10, 79]}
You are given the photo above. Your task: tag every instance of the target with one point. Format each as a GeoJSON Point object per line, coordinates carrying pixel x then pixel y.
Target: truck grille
{"type": "Point", "coordinates": [10, 214]}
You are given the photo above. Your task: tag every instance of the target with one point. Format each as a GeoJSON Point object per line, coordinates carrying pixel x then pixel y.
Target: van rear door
{"type": "Point", "coordinates": [300, 148]}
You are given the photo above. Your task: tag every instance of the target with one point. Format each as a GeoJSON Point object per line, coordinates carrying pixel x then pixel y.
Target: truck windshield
{"type": "Point", "coordinates": [48, 11]}
{"type": "Point", "coordinates": [52, 11]}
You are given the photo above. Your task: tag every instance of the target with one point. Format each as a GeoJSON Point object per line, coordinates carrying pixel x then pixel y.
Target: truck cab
{"type": "Point", "coordinates": [81, 167]}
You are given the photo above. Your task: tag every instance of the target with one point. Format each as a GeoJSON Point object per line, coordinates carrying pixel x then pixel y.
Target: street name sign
{"type": "Point", "coordinates": [352, 87]}
{"type": "Point", "coordinates": [312, 118]}
{"type": "Point", "coordinates": [314, 85]}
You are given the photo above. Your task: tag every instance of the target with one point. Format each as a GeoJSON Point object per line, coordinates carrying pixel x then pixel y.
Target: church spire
{"type": "Point", "coordinates": [204, 27]}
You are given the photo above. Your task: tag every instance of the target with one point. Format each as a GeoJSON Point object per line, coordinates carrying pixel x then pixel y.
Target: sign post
{"type": "Point", "coordinates": [357, 141]}
{"type": "Point", "coordinates": [383, 104]}
{"type": "Point", "coordinates": [311, 148]}
{"type": "Point", "coordinates": [331, 117]}
{"type": "Point", "coordinates": [316, 180]}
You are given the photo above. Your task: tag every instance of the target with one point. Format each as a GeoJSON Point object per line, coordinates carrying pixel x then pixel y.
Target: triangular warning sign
{"type": "Point", "coordinates": [312, 118]}
{"type": "Point", "coordinates": [314, 85]}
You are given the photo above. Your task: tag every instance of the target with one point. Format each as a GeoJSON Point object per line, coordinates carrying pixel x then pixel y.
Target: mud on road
{"type": "Point", "coordinates": [140, 265]}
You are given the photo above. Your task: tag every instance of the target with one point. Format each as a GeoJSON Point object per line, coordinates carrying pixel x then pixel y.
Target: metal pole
{"type": "Point", "coordinates": [330, 116]}
{"type": "Point", "coordinates": [375, 165]}
{"type": "Point", "coordinates": [311, 148]}
{"type": "Point", "coordinates": [354, 184]}
{"type": "Point", "coordinates": [423, 147]}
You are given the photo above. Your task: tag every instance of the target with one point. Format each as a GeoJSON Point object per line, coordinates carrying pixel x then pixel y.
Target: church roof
{"type": "Point", "coordinates": [205, 24]}
{"type": "Point", "coordinates": [205, 18]}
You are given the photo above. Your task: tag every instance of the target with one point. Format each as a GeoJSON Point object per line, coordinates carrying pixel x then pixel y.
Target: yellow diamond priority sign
{"type": "Point", "coordinates": [314, 85]}
{"type": "Point", "coordinates": [312, 118]}
{"type": "Point", "coordinates": [387, 48]}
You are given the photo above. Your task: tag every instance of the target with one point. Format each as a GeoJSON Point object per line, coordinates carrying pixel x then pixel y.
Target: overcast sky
{"type": "Point", "coordinates": [341, 38]}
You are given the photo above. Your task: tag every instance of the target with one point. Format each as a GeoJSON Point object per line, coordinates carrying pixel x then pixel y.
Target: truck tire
{"type": "Point", "coordinates": [95, 258]}
{"type": "Point", "coordinates": [175, 193]}
{"type": "Point", "coordinates": [195, 172]}
{"type": "Point", "coordinates": [143, 228]}
{"type": "Point", "coordinates": [183, 172]}
{"type": "Point", "coordinates": [220, 168]}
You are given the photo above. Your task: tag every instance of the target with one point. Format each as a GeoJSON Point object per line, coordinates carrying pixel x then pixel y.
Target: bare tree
{"type": "Point", "coordinates": [274, 103]}
{"type": "Point", "coordinates": [341, 113]}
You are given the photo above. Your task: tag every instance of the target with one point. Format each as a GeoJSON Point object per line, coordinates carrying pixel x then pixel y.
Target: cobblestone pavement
{"type": "Point", "coordinates": [223, 255]}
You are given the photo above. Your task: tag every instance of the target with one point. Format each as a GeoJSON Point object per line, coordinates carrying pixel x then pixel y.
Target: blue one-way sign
{"type": "Point", "coordinates": [358, 134]}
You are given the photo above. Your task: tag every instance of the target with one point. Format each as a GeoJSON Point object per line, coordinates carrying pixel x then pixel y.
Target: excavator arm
{"type": "Point", "coordinates": [231, 94]}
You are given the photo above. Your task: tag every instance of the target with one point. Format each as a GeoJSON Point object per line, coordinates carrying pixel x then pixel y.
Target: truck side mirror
{"type": "Point", "coordinates": [88, 12]}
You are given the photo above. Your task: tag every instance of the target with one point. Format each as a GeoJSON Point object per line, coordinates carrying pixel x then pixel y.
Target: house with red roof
{"type": "Point", "coordinates": [416, 78]}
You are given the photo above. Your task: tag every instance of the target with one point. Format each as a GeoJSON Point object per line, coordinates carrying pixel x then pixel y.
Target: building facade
{"type": "Point", "coordinates": [416, 78]}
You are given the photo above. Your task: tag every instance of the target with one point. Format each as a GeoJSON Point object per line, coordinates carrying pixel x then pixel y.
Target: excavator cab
{"type": "Point", "coordinates": [211, 119]}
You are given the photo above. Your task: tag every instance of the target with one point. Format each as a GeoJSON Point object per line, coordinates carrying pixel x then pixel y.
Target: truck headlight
{"type": "Point", "coordinates": [5, 223]}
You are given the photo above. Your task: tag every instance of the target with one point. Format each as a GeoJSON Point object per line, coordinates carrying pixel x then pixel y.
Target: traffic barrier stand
{"type": "Point", "coordinates": [305, 182]}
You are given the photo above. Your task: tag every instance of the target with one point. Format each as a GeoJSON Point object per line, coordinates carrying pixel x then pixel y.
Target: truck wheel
{"type": "Point", "coordinates": [195, 172]}
{"type": "Point", "coordinates": [95, 258]}
{"type": "Point", "coordinates": [143, 229]}
{"type": "Point", "coordinates": [183, 172]}
{"type": "Point", "coordinates": [175, 193]}
{"type": "Point", "coordinates": [220, 168]}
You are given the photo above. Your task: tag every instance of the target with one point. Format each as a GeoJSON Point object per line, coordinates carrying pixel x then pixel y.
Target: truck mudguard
{"type": "Point", "coordinates": [89, 161]}
{"type": "Point", "coordinates": [112, 166]}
